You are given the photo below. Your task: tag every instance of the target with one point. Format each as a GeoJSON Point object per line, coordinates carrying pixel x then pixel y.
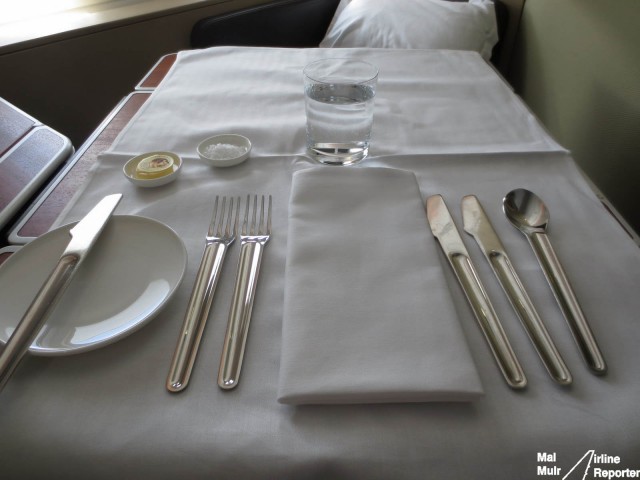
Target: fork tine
{"type": "Point", "coordinates": [212, 224]}
{"type": "Point", "coordinates": [269, 217]}
{"type": "Point", "coordinates": [222, 216]}
{"type": "Point", "coordinates": [253, 215]}
{"type": "Point", "coordinates": [235, 222]}
{"type": "Point", "coordinates": [227, 230]}
{"type": "Point", "coordinates": [223, 224]}
{"type": "Point", "coordinates": [265, 229]}
{"type": "Point", "coordinates": [245, 223]}
{"type": "Point", "coordinates": [261, 224]}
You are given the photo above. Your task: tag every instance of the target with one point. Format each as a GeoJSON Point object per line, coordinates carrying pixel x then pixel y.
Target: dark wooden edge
{"type": "Point", "coordinates": [39, 218]}
{"type": "Point", "coordinates": [152, 79]}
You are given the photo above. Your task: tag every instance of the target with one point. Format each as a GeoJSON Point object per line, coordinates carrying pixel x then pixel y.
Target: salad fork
{"type": "Point", "coordinates": [254, 237]}
{"type": "Point", "coordinates": [221, 234]}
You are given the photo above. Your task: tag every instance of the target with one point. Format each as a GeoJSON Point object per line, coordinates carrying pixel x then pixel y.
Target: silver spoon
{"type": "Point", "coordinates": [528, 213]}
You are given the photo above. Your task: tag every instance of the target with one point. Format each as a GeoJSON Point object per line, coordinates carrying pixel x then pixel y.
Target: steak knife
{"type": "Point", "coordinates": [444, 229]}
{"type": "Point", "coordinates": [479, 227]}
{"type": "Point", "coordinates": [83, 236]}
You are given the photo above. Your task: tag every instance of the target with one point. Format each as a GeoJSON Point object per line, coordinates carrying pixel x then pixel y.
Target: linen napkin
{"type": "Point", "coordinates": [368, 317]}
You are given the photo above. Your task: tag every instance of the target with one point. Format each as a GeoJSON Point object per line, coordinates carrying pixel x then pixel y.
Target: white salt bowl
{"type": "Point", "coordinates": [225, 150]}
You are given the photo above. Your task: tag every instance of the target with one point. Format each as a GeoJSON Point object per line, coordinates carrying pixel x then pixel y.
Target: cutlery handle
{"type": "Point", "coordinates": [488, 320]}
{"type": "Point", "coordinates": [568, 302]}
{"type": "Point", "coordinates": [36, 315]}
{"type": "Point", "coordinates": [530, 319]}
{"type": "Point", "coordinates": [240, 314]}
{"type": "Point", "coordinates": [196, 316]}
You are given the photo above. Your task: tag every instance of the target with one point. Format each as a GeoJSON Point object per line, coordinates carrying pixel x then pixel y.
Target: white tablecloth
{"type": "Point", "coordinates": [106, 414]}
{"type": "Point", "coordinates": [426, 102]}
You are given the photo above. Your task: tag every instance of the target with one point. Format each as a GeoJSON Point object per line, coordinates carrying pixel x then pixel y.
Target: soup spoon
{"type": "Point", "coordinates": [528, 213]}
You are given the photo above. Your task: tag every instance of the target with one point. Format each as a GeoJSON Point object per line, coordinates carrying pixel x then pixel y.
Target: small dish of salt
{"type": "Point", "coordinates": [225, 150]}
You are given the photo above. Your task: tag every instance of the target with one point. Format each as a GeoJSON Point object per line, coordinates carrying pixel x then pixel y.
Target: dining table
{"type": "Point", "coordinates": [364, 358]}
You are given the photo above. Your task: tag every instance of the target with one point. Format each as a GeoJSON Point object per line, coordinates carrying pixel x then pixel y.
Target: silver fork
{"type": "Point", "coordinates": [221, 234]}
{"type": "Point", "coordinates": [254, 237]}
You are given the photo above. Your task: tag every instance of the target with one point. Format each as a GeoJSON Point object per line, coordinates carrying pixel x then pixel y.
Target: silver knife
{"type": "Point", "coordinates": [447, 234]}
{"type": "Point", "coordinates": [479, 227]}
{"type": "Point", "coordinates": [83, 236]}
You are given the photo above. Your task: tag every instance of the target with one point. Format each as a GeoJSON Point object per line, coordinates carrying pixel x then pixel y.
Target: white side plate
{"type": "Point", "coordinates": [131, 272]}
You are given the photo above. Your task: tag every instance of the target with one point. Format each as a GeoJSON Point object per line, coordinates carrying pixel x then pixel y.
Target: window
{"type": "Point", "coordinates": [18, 10]}
{"type": "Point", "coordinates": [29, 20]}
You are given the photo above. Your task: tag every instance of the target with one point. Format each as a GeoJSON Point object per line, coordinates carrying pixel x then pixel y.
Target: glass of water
{"type": "Point", "coordinates": [339, 94]}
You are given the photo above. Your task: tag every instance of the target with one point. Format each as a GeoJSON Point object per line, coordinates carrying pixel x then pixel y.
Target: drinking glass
{"type": "Point", "coordinates": [339, 97]}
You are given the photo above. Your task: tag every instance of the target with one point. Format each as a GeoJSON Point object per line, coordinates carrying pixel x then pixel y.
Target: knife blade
{"type": "Point", "coordinates": [83, 236]}
{"type": "Point", "coordinates": [444, 229]}
{"type": "Point", "coordinates": [477, 224]}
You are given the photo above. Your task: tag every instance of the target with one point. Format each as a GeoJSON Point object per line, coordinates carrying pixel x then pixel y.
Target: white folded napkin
{"type": "Point", "coordinates": [368, 317]}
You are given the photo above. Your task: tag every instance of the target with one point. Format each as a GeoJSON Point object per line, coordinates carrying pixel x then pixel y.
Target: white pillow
{"type": "Point", "coordinates": [437, 24]}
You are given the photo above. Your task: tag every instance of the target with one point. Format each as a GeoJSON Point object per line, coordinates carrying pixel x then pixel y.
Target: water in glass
{"type": "Point", "coordinates": [339, 120]}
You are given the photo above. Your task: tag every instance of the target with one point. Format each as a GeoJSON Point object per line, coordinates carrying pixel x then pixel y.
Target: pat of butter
{"type": "Point", "coordinates": [154, 166]}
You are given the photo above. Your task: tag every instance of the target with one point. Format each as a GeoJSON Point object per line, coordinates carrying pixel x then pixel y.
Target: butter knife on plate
{"type": "Point", "coordinates": [83, 237]}
{"type": "Point", "coordinates": [444, 229]}
{"type": "Point", "coordinates": [477, 224]}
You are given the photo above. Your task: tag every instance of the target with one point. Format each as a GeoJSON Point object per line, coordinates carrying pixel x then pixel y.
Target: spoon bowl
{"type": "Point", "coordinates": [526, 211]}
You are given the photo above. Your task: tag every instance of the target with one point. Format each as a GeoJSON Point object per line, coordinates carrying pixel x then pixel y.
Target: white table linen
{"type": "Point", "coordinates": [427, 101]}
{"type": "Point", "coordinates": [110, 408]}
{"type": "Point", "coordinates": [368, 316]}
{"type": "Point", "coordinates": [106, 414]}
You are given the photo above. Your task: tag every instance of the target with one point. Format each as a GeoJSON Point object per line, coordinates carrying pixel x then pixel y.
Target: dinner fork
{"type": "Point", "coordinates": [253, 237]}
{"type": "Point", "coordinates": [221, 234]}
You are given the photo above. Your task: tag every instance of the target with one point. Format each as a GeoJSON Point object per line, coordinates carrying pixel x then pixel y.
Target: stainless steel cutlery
{"type": "Point", "coordinates": [447, 234]}
{"type": "Point", "coordinates": [223, 229]}
{"type": "Point", "coordinates": [254, 237]}
{"type": "Point", "coordinates": [522, 208]}
{"type": "Point", "coordinates": [478, 225]}
{"type": "Point", "coordinates": [83, 237]}
{"type": "Point", "coordinates": [528, 213]}
{"type": "Point", "coordinates": [221, 234]}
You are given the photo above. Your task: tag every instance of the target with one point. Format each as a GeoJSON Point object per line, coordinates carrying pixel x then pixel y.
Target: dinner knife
{"type": "Point", "coordinates": [477, 224]}
{"type": "Point", "coordinates": [444, 229]}
{"type": "Point", "coordinates": [83, 236]}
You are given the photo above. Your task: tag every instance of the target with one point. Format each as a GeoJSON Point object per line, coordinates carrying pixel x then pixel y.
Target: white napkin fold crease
{"type": "Point", "coordinates": [368, 317]}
